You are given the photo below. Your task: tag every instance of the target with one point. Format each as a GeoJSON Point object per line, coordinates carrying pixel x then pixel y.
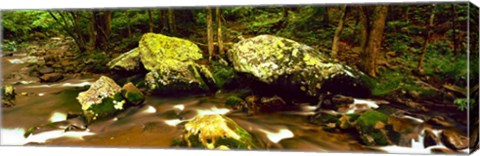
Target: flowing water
{"type": "Point", "coordinates": [159, 121]}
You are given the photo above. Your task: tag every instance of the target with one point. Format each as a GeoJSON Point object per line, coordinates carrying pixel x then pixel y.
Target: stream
{"type": "Point", "coordinates": [156, 123]}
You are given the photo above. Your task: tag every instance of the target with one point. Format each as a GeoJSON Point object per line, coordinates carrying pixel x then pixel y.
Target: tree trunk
{"type": "Point", "coordinates": [326, 19]}
{"type": "Point", "coordinates": [336, 37]}
{"type": "Point", "coordinates": [102, 28]}
{"type": "Point", "coordinates": [150, 21]}
{"type": "Point", "coordinates": [171, 21]}
{"type": "Point", "coordinates": [91, 30]}
{"type": "Point", "coordinates": [375, 38]}
{"type": "Point", "coordinates": [209, 33]}
{"type": "Point", "coordinates": [454, 38]}
{"type": "Point", "coordinates": [129, 24]}
{"type": "Point", "coordinates": [77, 30]}
{"type": "Point", "coordinates": [219, 31]}
{"type": "Point", "coordinates": [426, 39]}
{"type": "Point", "coordinates": [365, 26]}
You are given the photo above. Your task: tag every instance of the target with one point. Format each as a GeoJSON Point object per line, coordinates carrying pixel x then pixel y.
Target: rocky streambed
{"type": "Point", "coordinates": [159, 95]}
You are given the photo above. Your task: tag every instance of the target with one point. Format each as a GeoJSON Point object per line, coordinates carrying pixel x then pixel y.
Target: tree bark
{"type": "Point", "coordinates": [365, 26]}
{"type": "Point", "coordinates": [103, 28]}
{"type": "Point", "coordinates": [426, 39]}
{"type": "Point", "coordinates": [454, 38]}
{"type": "Point", "coordinates": [171, 21]}
{"type": "Point", "coordinates": [375, 38]}
{"type": "Point", "coordinates": [326, 18]}
{"type": "Point", "coordinates": [336, 37]}
{"type": "Point", "coordinates": [91, 30]}
{"type": "Point", "coordinates": [150, 21]}
{"type": "Point", "coordinates": [209, 33]}
{"type": "Point", "coordinates": [219, 31]}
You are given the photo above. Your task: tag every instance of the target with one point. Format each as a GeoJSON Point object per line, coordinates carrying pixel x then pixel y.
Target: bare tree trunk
{"type": "Point", "coordinates": [209, 33]}
{"type": "Point", "coordinates": [219, 31]}
{"type": "Point", "coordinates": [336, 37]}
{"type": "Point", "coordinates": [326, 18]}
{"type": "Point", "coordinates": [102, 28]}
{"type": "Point", "coordinates": [129, 23]}
{"type": "Point", "coordinates": [454, 38]}
{"type": "Point", "coordinates": [150, 21]}
{"type": "Point", "coordinates": [77, 30]}
{"type": "Point", "coordinates": [171, 21]}
{"type": "Point", "coordinates": [365, 26]}
{"type": "Point", "coordinates": [91, 30]}
{"type": "Point", "coordinates": [375, 38]}
{"type": "Point", "coordinates": [426, 39]}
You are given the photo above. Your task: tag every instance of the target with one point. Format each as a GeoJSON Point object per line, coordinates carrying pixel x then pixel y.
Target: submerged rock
{"type": "Point", "coordinates": [215, 132]}
{"type": "Point", "coordinates": [102, 99]}
{"type": "Point", "coordinates": [8, 95]}
{"type": "Point", "coordinates": [295, 67]}
{"type": "Point", "coordinates": [51, 77]}
{"type": "Point", "coordinates": [127, 62]}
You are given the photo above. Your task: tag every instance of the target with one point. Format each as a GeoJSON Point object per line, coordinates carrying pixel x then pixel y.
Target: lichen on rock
{"type": "Point", "coordinates": [156, 48]}
{"type": "Point", "coordinates": [297, 67]}
{"type": "Point", "coordinates": [102, 99]}
{"type": "Point", "coordinates": [129, 61]}
{"type": "Point", "coordinates": [8, 95]}
{"type": "Point", "coordinates": [216, 132]}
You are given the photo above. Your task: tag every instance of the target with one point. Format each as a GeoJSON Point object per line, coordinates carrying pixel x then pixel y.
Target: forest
{"type": "Point", "coordinates": [347, 77]}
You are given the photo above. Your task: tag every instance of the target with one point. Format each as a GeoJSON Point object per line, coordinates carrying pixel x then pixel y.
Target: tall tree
{"type": "Point", "coordinates": [374, 26]}
{"type": "Point", "coordinates": [219, 31]}
{"type": "Point", "coordinates": [426, 39]}
{"type": "Point", "coordinates": [171, 21]}
{"type": "Point", "coordinates": [150, 21]}
{"type": "Point", "coordinates": [129, 23]}
{"type": "Point", "coordinates": [454, 38]}
{"type": "Point", "coordinates": [209, 33]}
{"type": "Point", "coordinates": [69, 24]}
{"type": "Point", "coordinates": [103, 21]}
{"type": "Point", "coordinates": [336, 37]}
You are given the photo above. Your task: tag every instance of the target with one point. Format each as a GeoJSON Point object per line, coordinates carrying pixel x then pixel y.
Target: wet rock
{"type": "Point", "coordinates": [235, 102]}
{"type": "Point", "coordinates": [132, 94]}
{"type": "Point", "coordinates": [271, 104]}
{"type": "Point", "coordinates": [8, 95]}
{"type": "Point", "coordinates": [102, 99]}
{"type": "Point", "coordinates": [340, 99]}
{"type": "Point", "coordinates": [215, 131]}
{"type": "Point", "coordinates": [295, 68]}
{"type": "Point", "coordinates": [440, 121]}
{"type": "Point", "coordinates": [454, 140]}
{"type": "Point", "coordinates": [442, 151]}
{"type": "Point", "coordinates": [373, 129]}
{"type": "Point", "coordinates": [430, 139]}
{"type": "Point", "coordinates": [334, 121]}
{"type": "Point", "coordinates": [127, 62]}
{"type": "Point", "coordinates": [45, 70]}
{"type": "Point", "coordinates": [51, 77]}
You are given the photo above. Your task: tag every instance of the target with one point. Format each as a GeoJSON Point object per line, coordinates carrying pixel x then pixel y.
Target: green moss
{"type": "Point", "coordinates": [234, 101]}
{"type": "Point", "coordinates": [366, 124]}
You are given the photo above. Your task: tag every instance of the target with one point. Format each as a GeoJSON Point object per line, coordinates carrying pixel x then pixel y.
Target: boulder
{"type": "Point", "coordinates": [132, 94]}
{"type": "Point", "coordinates": [176, 77]}
{"type": "Point", "coordinates": [45, 70]}
{"type": "Point", "coordinates": [102, 99]}
{"type": "Point", "coordinates": [8, 95]}
{"type": "Point", "coordinates": [127, 62]}
{"type": "Point", "coordinates": [155, 49]}
{"type": "Point", "coordinates": [215, 132]}
{"type": "Point", "coordinates": [373, 129]}
{"type": "Point", "coordinates": [295, 68]}
{"type": "Point", "coordinates": [430, 138]}
{"type": "Point", "coordinates": [170, 64]}
{"type": "Point", "coordinates": [51, 77]}
{"type": "Point", "coordinates": [454, 140]}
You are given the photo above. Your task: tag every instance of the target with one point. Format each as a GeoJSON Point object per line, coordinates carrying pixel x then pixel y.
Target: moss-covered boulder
{"type": "Point", "coordinates": [175, 77]}
{"type": "Point", "coordinates": [8, 95]}
{"type": "Point", "coordinates": [295, 67]}
{"type": "Point", "coordinates": [373, 129]}
{"type": "Point", "coordinates": [215, 132]}
{"type": "Point", "coordinates": [156, 48]}
{"type": "Point", "coordinates": [127, 62]}
{"type": "Point", "coordinates": [102, 99]}
{"type": "Point", "coordinates": [132, 94]}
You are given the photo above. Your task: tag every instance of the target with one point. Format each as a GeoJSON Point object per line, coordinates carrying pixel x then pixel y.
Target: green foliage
{"type": "Point", "coordinates": [10, 46]}
{"type": "Point", "coordinates": [463, 103]}
{"type": "Point", "coordinates": [19, 24]}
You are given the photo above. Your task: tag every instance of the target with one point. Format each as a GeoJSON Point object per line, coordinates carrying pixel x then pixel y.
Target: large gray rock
{"type": "Point", "coordinates": [129, 61]}
{"type": "Point", "coordinates": [170, 65]}
{"type": "Point", "coordinates": [102, 99]}
{"type": "Point", "coordinates": [295, 67]}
